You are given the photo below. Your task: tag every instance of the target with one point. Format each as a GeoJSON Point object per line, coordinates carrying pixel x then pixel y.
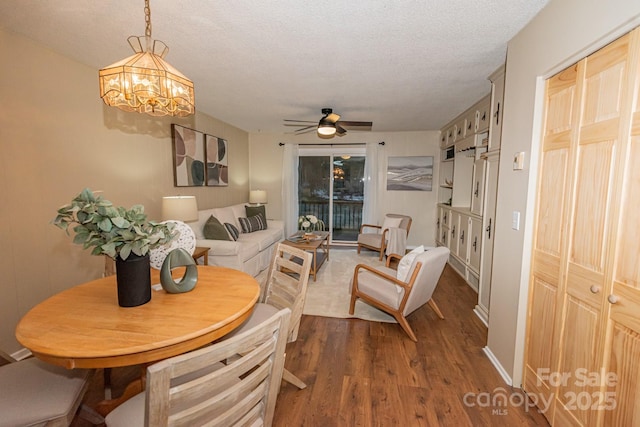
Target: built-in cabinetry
{"type": "Point", "coordinates": [468, 179]}
{"type": "Point", "coordinates": [583, 320]}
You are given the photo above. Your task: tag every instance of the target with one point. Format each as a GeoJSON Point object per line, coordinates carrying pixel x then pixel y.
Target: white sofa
{"type": "Point", "coordinates": [251, 253]}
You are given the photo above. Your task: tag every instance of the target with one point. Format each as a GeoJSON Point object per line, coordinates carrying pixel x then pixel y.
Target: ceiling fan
{"type": "Point", "coordinates": [328, 126]}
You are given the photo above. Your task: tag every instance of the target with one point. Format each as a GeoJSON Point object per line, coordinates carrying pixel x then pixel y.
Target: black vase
{"type": "Point", "coordinates": [134, 280]}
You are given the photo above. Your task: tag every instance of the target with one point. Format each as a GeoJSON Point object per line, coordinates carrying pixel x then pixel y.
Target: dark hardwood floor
{"type": "Point", "coordinates": [361, 373]}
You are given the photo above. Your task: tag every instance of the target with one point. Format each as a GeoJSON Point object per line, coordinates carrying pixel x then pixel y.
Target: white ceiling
{"type": "Point", "coordinates": [404, 64]}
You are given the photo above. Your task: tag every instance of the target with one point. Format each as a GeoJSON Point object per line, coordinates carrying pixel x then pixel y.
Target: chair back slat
{"type": "Point", "coordinates": [232, 381]}
{"type": "Point", "coordinates": [287, 283]}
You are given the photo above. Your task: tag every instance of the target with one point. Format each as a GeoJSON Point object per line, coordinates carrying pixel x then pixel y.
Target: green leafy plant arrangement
{"type": "Point", "coordinates": [111, 230]}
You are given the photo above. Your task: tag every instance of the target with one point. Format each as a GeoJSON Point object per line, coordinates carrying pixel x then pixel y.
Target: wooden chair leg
{"type": "Point", "coordinates": [435, 308]}
{"type": "Point", "coordinates": [290, 378]}
{"type": "Point", "coordinates": [405, 325]}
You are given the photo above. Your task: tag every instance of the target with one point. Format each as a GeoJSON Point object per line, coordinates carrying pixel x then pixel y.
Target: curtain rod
{"type": "Point", "coordinates": [331, 145]}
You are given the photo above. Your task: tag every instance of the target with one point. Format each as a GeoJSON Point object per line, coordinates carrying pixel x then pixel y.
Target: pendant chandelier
{"type": "Point", "coordinates": [145, 82]}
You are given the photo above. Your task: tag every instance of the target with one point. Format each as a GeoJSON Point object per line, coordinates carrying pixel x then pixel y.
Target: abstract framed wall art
{"type": "Point", "coordinates": [188, 157]}
{"type": "Point", "coordinates": [217, 152]}
{"type": "Point", "coordinates": [413, 173]}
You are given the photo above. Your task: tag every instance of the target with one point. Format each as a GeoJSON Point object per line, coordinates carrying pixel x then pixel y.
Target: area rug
{"type": "Point", "coordinates": [330, 294]}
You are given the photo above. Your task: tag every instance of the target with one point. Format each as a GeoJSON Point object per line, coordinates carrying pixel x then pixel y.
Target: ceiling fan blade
{"type": "Point", "coordinates": [298, 124]}
{"type": "Point", "coordinates": [356, 125]}
{"type": "Point", "coordinates": [340, 130]}
{"type": "Point", "coordinates": [306, 128]}
{"type": "Point", "coordinates": [299, 121]}
{"type": "Point", "coordinates": [333, 117]}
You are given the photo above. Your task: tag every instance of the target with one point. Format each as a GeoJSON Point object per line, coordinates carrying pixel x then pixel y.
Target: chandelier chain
{"type": "Point", "coordinates": [147, 18]}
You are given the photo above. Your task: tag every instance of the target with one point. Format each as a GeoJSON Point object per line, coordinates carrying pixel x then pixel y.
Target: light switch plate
{"type": "Point", "coordinates": [518, 161]}
{"type": "Point", "coordinates": [515, 221]}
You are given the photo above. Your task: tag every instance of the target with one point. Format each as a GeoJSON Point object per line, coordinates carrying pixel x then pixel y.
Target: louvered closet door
{"type": "Point", "coordinates": [549, 251]}
{"type": "Point", "coordinates": [623, 349]}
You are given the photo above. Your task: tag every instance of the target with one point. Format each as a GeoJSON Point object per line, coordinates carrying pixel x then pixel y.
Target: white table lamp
{"type": "Point", "coordinates": [181, 208]}
{"type": "Point", "coordinates": [258, 197]}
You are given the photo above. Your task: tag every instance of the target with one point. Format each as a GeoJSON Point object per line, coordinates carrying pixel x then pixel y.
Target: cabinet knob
{"type": "Point", "coordinates": [613, 299]}
{"type": "Point", "coordinates": [594, 289]}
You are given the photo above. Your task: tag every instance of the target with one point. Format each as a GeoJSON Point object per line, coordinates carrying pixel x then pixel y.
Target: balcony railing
{"type": "Point", "coordinates": [347, 216]}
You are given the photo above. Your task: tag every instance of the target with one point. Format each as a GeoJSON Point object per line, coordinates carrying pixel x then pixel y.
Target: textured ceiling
{"type": "Point", "coordinates": [404, 65]}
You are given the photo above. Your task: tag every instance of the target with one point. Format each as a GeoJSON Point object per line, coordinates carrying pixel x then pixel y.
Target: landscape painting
{"type": "Point", "coordinates": [413, 173]}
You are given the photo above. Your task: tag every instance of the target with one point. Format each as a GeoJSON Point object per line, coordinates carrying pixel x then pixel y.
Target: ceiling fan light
{"type": "Point", "coordinates": [326, 128]}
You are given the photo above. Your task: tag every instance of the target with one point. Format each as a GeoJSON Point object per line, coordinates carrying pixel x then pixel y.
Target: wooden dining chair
{"type": "Point", "coordinates": [231, 382]}
{"type": "Point", "coordinates": [33, 392]}
{"type": "Point", "coordinates": [285, 287]}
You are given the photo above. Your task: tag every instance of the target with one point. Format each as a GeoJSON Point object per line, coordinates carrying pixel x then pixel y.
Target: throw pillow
{"type": "Point", "coordinates": [390, 222]}
{"type": "Point", "coordinates": [405, 263]}
{"type": "Point", "coordinates": [253, 223]}
{"type": "Point", "coordinates": [255, 210]}
{"type": "Point", "coordinates": [233, 231]}
{"type": "Point", "coordinates": [214, 230]}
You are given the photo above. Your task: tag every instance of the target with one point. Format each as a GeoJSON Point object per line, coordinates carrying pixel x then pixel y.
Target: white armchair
{"type": "Point", "coordinates": [377, 237]}
{"type": "Point", "coordinates": [382, 288]}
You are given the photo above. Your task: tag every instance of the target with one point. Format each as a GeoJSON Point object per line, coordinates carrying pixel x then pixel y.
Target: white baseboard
{"type": "Point", "coordinates": [481, 315]}
{"type": "Point", "coordinates": [494, 360]}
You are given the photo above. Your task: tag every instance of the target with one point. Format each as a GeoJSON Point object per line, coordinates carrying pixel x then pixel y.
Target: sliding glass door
{"type": "Point", "coordinates": [331, 186]}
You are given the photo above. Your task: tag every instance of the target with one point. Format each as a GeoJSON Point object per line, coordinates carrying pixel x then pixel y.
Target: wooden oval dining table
{"type": "Point", "coordinates": [84, 327]}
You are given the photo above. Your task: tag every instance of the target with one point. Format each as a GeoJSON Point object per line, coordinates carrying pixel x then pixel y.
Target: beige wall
{"type": "Point", "coordinates": [561, 34]}
{"type": "Point", "coordinates": [57, 137]}
{"type": "Point", "coordinates": [266, 173]}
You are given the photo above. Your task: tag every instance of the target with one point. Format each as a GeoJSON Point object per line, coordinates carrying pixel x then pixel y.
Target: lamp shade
{"type": "Point", "coordinates": [180, 208]}
{"type": "Point", "coordinates": [257, 196]}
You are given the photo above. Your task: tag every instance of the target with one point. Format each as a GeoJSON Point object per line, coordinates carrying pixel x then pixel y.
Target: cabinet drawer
{"type": "Point", "coordinates": [475, 243]}
{"type": "Point", "coordinates": [454, 233]}
{"type": "Point", "coordinates": [458, 130]}
{"type": "Point", "coordinates": [470, 123]}
{"type": "Point", "coordinates": [450, 136]}
{"type": "Point", "coordinates": [445, 217]}
{"type": "Point", "coordinates": [477, 189]}
{"type": "Point", "coordinates": [463, 238]}
{"type": "Point", "coordinates": [483, 114]}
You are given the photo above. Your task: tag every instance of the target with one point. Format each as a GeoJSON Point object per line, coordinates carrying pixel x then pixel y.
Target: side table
{"type": "Point", "coordinates": [200, 252]}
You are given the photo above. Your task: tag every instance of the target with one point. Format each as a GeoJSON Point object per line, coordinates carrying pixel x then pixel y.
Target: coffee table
{"type": "Point", "coordinates": [312, 245]}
